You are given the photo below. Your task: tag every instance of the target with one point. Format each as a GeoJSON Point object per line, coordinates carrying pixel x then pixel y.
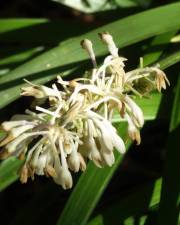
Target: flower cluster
{"type": "Point", "coordinates": [72, 120]}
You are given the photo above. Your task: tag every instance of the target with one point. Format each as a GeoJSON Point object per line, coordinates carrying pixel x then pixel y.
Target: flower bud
{"type": "Point", "coordinates": [108, 40]}
{"type": "Point", "coordinates": [87, 45]}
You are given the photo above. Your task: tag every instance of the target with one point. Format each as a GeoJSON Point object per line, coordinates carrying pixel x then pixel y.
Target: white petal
{"type": "Point", "coordinates": [41, 164]}
{"type": "Point", "coordinates": [74, 160]}
{"type": "Point", "coordinates": [63, 176]}
{"type": "Point", "coordinates": [136, 111]}
{"type": "Point", "coordinates": [82, 162]}
{"type": "Point", "coordinates": [94, 153]}
{"type": "Point", "coordinates": [33, 160]}
{"type": "Point", "coordinates": [49, 91]}
{"type": "Point", "coordinates": [66, 179]}
{"type": "Point", "coordinates": [8, 125]}
{"type": "Point", "coordinates": [116, 139]}
{"type": "Point", "coordinates": [19, 130]}
{"type": "Point", "coordinates": [106, 137]}
{"type": "Point", "coordinates": [108, 158]}
{"type": "Point", "coordinates": [58, 170]}
{"type": "Point", "coordinates": [11, 147]}
{"type": "Point", "coordinates": [108, 39]}
{"type": "Point", "coordinates": [119, 144]}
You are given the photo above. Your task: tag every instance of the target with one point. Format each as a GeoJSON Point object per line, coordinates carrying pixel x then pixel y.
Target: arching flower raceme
{"type": "Point", "coordinates": [72, 120]}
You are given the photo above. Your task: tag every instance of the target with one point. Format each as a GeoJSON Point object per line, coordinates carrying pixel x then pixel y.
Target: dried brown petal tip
{"type": "Point", "coordinates": [4, 154]}
{"type": "Point", "coordinates": [6, 140]}
{"type": "Point", "coordinates": [24, 174]}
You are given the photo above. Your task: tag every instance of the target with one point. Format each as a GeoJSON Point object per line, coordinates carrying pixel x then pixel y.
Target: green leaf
{"type": "Point", "coordinates": [68, 56]}
{"type": "Point", "coordinates": [170, 60]}
{"type": "Point", "coordinates": [15, 56]}
{"type": "Point", "coordinates": [157, 46]}
{"type": "Point", "coordinates": [39, 31]}
{"type": "Point", "coordinates": [131, 3]}
{"type": "Point", "coordinates": [2, 134]}
{"type": "Point", "coordinates": [8, 171]}
{"type": "Point", "coordinates": [135, 202]}
{"type": "Point", "coordinates": [170, 194]}
{"type": "Point", "coordinates": [7, 25]}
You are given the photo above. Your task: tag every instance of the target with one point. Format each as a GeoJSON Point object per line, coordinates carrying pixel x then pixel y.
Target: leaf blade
{"type": "Point", "coordinates": [130, 205]}
{"type": "Point", "coordinates": [48, 65]}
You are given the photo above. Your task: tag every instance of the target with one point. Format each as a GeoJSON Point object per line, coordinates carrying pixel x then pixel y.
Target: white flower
{"type": "Point", "coordinates": [135, 110]}
{"type": "Point", "coordinates": [74, 124]}
{"type": "Point", "coordinates": [160, 79]}
{"type": "Point", "coordinates": [101, 140]}
{"type": "Point", "coordinates": [133, 131]}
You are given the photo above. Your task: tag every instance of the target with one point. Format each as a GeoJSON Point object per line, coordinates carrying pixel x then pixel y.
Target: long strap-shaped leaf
{"type": "Point", "coordinates": [170, 195]}
{"type": "Point", "coordinates": [155, 49]}
{"type": "Point", "coordinates": [136, 202]}
{"type": "Point", "coordinates": [38, 31]}
{"type": "Point", "coordinates": [68, 56]}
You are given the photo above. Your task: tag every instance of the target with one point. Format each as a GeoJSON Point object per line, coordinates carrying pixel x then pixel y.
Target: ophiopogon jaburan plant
{"type": "Point", "coordinates": [72, 120]}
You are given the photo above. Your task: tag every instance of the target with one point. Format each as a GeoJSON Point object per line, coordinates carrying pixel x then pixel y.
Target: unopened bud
{"type": "Point", "coordinates": [108, 40]}
{"type": "Point", "coordinates": [87, 45]}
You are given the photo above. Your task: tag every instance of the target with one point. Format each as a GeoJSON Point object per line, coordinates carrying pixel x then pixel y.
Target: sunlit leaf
{"type": "Point", "coordinates": [8, 172]}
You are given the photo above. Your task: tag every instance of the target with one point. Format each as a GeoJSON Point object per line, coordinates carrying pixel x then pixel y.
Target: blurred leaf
{"type": "Point", "coordinates": [170, 60]}
{"type": "Point", "coordinates": [88, 6]}
{"type": "Point", "coordinates": [2, 134]}
{"type": "Point", "coordinates": [8, 171]}
{"type": "Point", "coordinates": [7, 25]}
{"type": "Point", "coordinates": [93, 6]}
{"type": "Point", "coordinates": [170, 194]}
{"type": "Point", "coordinates": [126, 3]}
{"type": "Point", "coordinates": [15, 56]}
{"type": "Point", "coordinates": [131, 3]}
{"type": "Point", "coordinates": [175, 39]}
{"type": "Point", "coordinates": [134, 203]}
{"type": "Point", "coordinates": [39, 31]}
{"type": "Point", "coordinates": [156, 46]}
{"type": "Point", "coordinates": [69, 56]}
